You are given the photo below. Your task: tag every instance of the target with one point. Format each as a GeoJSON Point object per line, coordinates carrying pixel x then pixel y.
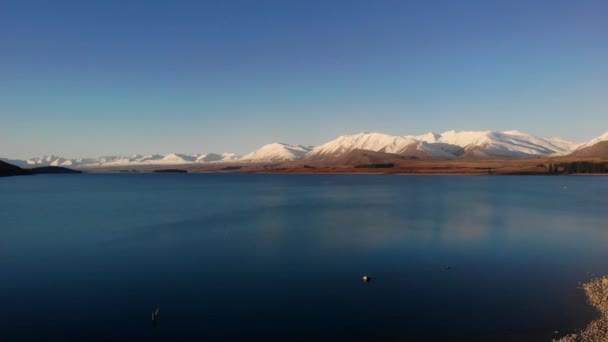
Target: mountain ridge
{"type": "Point", "coordinates": [447, 145]}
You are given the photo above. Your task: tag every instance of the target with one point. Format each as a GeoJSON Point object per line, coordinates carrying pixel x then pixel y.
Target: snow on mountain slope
{"type": "Point", "coordinates": [466, 139]}
{"type": "Point", "coordinates": [122, 161]}
{"type": "Point", "coordinates": [556, 144]}
{"type": "Point", "coordinates": [153, 159]}
{"type": "Point", "coordinates": [440, 149]}
{"type": "Point", "coordinates": [207, 157]}
{"type": "Point", "coordinates": [276, 152]}
{"type": "Point", "coordinates": [134, 160]}
{"type": "Point", "coordinates": [564, 144]}
{"type": "Point", "coordinates": [228, 156]}
{"type": "Point", "coordinates": [449, 144]}
{"type": "Point", "coordinates": [214, 157]}
{"type": "Point", "coordinates": [428, 137]}
{"type": "Point", "coordinates": [147, 158]}
{"type": "Point", "coordinates": [176, 158]}
{"type": "Point", "coordinates": [53, 160]}
{"type": "Point", "coordinates": [596, 147]}
{"type": "Point", "coordinates": [102, 160]}
{"type": "Point", "coordinates": [377, 142]}
{"type": "Point", "coordinates": [48, 161]}
{"type": "Point", "coordinates": [603, 137]}
{"type": "Point", "coordinates": [502, 144]}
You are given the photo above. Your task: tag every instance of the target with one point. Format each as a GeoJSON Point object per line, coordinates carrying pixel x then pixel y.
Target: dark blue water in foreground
{"type": "Point", "coordinates": [279, 257]}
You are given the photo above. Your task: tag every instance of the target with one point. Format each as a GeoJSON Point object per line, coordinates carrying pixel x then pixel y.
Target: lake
{"type": "Point", "coordinates": [280, 257]}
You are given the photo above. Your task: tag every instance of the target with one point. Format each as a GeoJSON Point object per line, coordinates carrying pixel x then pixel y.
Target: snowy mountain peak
{"type": "Point", "coordinates": [428, 137]}
{"type": "Point", "coordinates": [515, 132]}
{"type": "Point", "coordinates": [276, 152]}
{"type": "Point", "coordinates": [228, 156]}
{"type": "Point", "coordinates": [50, 160]}
{"type": "Point", "coordinates": [603, 137]}
{"type": "Point", "coordinates": [177, 158]}
{"type": "Point", "coordinates": [449, 144]}
{"type": "Point", "coordinates": [207, 157]}
{"type": "Point", "coordinates": [133, 160]}
{"type": "Point", "coordinates": [378, 142]}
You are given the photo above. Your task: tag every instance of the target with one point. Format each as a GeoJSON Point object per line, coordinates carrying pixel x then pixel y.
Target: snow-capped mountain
{"type": "Point", "coordinates": [601, 138]}
{"type": "Point", "coordinates": [597, 147]}
{"type": "Point", "coordinates": [277, 152]}
{"type": "Point", "coordinates": [49, 161]}
{"type": "Point", "coordinates": [134, 160]}
{"type": "Point", "coordinates": [450, 144]}
{"type": "Point", "coordinates": [153, 159]}
{"type": "Point", "coordinates": [440, 149]}
{"type": "Point", "coordinates": [377, 142]}
{"type": "Point", "coordinates": [502, 144]}
{"type": "Point", "coordinates": [229, 156]}
{"type": "Point", "coordinates": [207, 157]}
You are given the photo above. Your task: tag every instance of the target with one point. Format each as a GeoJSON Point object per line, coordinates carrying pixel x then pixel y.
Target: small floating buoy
{"type": "Point", "coordinates": [366, 279]}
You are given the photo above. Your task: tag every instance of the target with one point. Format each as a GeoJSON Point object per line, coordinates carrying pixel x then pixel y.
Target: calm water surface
{"type": "Point", "coordinates": [243, 256]}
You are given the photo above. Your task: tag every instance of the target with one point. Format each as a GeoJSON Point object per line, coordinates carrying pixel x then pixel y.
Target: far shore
{"type": "Point", "coordinates": [466, 167]}
{"type": "Point", "coordinates": [106, 171]}
{"type": "Point", "coordinates": [341, 172]}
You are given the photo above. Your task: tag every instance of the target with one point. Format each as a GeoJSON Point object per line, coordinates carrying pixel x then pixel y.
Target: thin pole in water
{"type": "Point", "coordinates": [154, 317]}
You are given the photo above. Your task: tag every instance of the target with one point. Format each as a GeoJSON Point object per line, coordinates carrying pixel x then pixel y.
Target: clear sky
{"type": "Point", "coordinates": [89, 78]}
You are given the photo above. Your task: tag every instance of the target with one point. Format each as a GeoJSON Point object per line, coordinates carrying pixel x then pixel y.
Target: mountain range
{"type": "Point", "coordinates": [447, 145]}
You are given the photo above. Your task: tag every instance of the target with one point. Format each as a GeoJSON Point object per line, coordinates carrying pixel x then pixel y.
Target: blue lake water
{"type": "Point", "coordinates": [280, 257]}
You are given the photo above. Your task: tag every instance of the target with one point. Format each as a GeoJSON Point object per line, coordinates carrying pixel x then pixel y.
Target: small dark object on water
{"type": "Point", "coordinates": [448, 267]}
{"type": "Point", "coordinates": [154, 317]}
{"type": "Point", "coordinates": [366, 279]}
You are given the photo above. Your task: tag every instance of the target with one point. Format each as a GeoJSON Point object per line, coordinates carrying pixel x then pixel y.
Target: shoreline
{"type": "Point", "coordinates": [597, 330]}
{"type": "Point", "coordinates": [270, 172]}
{"type": "Point", "coordinates": [565, 166]}
{"type": "Point", "coordinates": [491, 167]}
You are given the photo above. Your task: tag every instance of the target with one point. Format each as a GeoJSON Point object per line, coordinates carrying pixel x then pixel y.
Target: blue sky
{"type": "Point", "coordinates": [88, 78]}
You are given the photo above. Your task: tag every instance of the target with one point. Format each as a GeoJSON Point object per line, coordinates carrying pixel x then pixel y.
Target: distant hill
{"type": "Point", "coordinates": [16, 162]}
{"type": "Point", "coordinates": [449, 145]}
{"type": "Point", "coordinates": [598, 150]}
{"type": "Point", "coordinates": [365, 157]}
{"type": "Point", "coordinates": [51, 170]}
{"type": "Point", "coordinates": [276, 152]}
{"type": "Point", "coordinates": [7, 169]}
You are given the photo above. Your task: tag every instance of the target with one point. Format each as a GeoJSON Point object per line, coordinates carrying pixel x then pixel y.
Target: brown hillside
{"type": "Point", "coordinates": [363, 157]}
{"type": "Point", "coordinates": [599, 150]}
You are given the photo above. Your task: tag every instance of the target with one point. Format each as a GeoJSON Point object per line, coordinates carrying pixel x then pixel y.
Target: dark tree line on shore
{"type": "Point", "coordinates": [579, 167]}
{"type": "Point", "coordinates": [375, 166]}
